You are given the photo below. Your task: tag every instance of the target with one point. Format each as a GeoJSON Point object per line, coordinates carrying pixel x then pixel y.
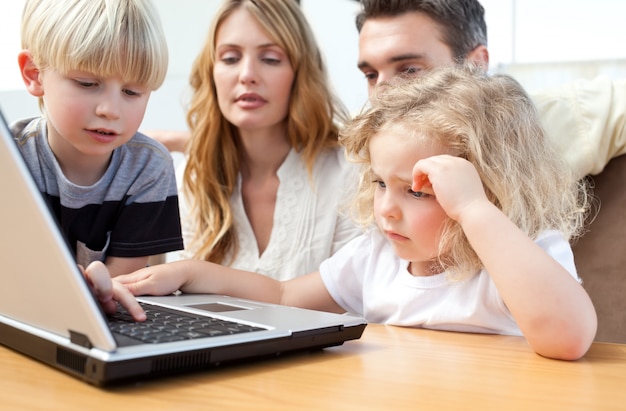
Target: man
{"type": "Point", "coordinates": [586, 119]}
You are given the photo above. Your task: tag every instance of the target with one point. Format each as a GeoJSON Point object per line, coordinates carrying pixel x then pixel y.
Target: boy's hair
{"type": "Point", "coordinates": [102, 37]}
{"type": "Point", "coordinates": [462, 22]}
{"type": "Point", "coordinates": [491, 122]}
{"type": "Point", "coordinates": [312, 121]}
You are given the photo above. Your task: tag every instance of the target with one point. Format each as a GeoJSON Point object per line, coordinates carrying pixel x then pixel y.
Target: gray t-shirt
{"type": "Point", "coordinates": [131, 211]}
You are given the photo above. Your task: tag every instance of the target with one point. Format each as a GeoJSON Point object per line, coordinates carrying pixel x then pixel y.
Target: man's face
{"type": "Point", "coordinates": [406, 44]}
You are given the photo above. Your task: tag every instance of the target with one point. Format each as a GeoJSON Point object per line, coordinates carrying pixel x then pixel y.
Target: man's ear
{"type": "Point", "coordinates": [31, 75]}
{"type": "Point", "coordinates": [479, 56]}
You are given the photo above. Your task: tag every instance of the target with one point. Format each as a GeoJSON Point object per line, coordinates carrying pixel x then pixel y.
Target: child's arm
{"type": "Point", "coordinates": [195, 276]}
{"type": "Point", "coordinates": [551, 308]}
{"type": "Point", "coordinates": [124, 265]}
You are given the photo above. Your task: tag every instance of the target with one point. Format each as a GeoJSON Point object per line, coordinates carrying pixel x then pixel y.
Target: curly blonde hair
{"type": "Point", "coordinates": [213, 158]}
{"type": "Point", "coordinates": [491, 122]}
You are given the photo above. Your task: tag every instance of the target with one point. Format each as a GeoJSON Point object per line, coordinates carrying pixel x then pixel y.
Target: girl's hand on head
{"type": "Point", "coordinates": [454, 181]}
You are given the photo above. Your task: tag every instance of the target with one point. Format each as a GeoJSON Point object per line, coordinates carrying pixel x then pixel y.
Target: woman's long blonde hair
{"type": "Point", "coordinates": [213, 158]}
{"type": "Point", "coordinates": [490, 121]}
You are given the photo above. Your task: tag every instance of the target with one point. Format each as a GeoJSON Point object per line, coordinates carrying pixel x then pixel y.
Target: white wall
{"type": "Point", "coordinates": [525, 37]}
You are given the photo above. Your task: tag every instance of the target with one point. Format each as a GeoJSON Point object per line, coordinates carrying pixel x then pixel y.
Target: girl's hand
{"type": "Point", "coordinates": [159, 279]}
{"type": "Point", "coordinates": [454, 180]}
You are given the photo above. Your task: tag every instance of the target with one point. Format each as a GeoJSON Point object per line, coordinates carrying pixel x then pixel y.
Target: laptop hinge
{"type": "Point", "coordinates": [80, 339]}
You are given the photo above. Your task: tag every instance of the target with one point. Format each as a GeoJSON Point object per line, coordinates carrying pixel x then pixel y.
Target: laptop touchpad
{"type": "Point", "coordinates": [217, 307]}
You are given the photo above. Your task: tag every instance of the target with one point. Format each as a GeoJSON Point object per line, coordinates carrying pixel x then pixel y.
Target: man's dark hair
{"type": "Point", "coordinates": [462, 22]}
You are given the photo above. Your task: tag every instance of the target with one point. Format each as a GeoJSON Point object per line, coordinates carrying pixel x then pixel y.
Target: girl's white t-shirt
{"type": "Point", "coordinates": [368, 279]}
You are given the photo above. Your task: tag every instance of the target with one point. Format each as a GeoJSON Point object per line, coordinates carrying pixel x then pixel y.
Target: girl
{"type": "Point", "coordinates": [473, 213]}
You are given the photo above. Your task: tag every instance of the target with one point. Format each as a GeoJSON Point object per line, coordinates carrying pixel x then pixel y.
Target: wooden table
{"type": "Point", "coordinates": [389, 368]}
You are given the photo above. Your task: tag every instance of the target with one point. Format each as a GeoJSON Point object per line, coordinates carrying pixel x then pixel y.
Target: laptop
{"type": "Point", "coordinates": [48, 312]}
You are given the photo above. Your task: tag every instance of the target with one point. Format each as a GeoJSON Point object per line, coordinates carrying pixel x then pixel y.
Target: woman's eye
{"type": "Point", "coordinates": [271, 61]}
{"type": "Point", "coordinates": [380, 183]}
{"type": "Point", "coordinates": [229, 57]}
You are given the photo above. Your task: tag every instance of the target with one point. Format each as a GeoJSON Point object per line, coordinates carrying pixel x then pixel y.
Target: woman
{"type": "Point", "coordinates": [264, 177]}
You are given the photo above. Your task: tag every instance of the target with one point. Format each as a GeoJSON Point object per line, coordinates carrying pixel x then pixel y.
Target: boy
{"type": "Point", "coordinates": [93, 65]}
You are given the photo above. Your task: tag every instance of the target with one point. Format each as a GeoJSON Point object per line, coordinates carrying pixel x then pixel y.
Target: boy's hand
{"type": "Point", "coordinates": [108, 291]}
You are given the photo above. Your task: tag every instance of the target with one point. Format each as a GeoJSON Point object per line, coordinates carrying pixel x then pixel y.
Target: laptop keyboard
{"type": "Point", "coordinates": [167, 325]}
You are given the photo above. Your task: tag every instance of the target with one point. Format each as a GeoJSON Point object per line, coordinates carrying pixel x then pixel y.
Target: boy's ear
{"type": "Point", "coordinates": [30, 73]}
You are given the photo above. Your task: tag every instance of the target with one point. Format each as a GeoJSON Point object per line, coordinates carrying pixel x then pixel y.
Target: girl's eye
{"type": "Point", "coordinates": [418, 194]}
{"type": "Point", "coordinates": [380, 183]}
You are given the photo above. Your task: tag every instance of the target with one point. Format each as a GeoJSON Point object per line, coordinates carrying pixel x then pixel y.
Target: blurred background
{"type": "Point", "coordinates": [542, 43]}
